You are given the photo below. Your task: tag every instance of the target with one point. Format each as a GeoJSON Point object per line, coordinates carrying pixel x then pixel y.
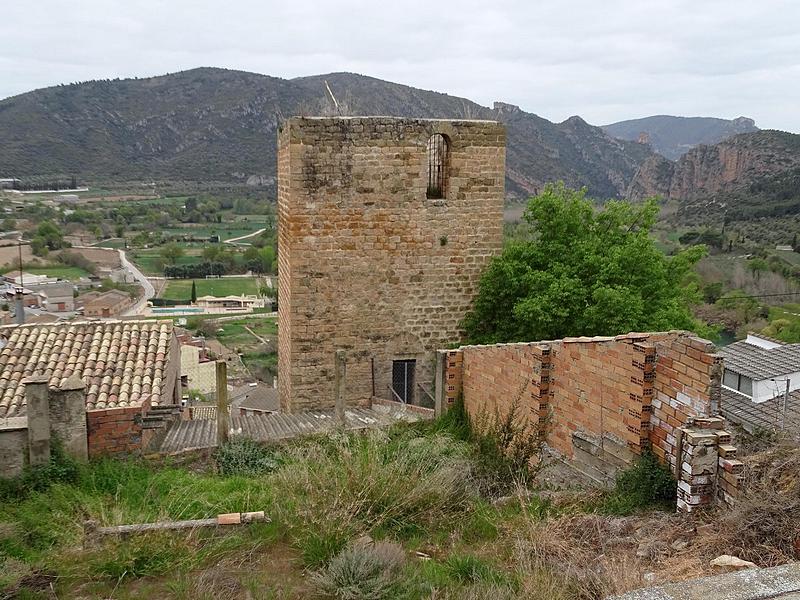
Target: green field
{"type": "Point", "coordinates": [61, 271]}
{"type": "Point", "coordinates": [150, 261]}
{"type": "Point", "coordinates": [181, 289]}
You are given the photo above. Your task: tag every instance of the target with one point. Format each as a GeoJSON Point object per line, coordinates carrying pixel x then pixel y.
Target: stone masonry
{"type": "Point", "coordinates": [368, 264]}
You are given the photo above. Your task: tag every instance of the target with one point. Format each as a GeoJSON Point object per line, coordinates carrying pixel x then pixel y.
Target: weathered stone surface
{"type": "Point", "coordinates": [753, 584]}
{"type": "Point", "coordinates": [367, 263]}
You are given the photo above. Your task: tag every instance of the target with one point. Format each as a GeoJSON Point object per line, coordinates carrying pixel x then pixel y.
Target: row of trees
{"type": "Point", "coordinates": [195, 271]}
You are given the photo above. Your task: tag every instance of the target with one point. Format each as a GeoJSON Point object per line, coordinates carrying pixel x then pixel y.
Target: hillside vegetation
{"type": "Point", "coordinates": [214, 124]}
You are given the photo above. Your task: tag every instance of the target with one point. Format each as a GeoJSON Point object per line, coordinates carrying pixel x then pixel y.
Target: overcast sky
{"type": "Point", "coordinates": [606, 60]}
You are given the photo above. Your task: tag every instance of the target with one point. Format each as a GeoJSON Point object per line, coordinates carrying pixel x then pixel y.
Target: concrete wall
{"type": "Point", "coordinates": [367, 263]}
{"type": "Point", "coordinates": [13, 446]}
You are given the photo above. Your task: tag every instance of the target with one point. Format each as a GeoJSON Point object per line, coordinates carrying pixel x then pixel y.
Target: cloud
{"type": "Point", "coordinates": [606, 61]}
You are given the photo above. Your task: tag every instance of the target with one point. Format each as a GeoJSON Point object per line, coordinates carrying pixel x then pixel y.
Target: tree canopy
{"type": "Point", "coordinates": [583, 272]}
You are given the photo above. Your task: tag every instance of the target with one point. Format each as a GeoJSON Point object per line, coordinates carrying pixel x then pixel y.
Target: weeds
{"type": "Point", "coordinates": [647, 484]}
{"type": "Point", "coordinates": [361, 572]}
{"type": "Point", "coordinates": [243, 456]}
{"type": "Point", "coordinates": [61, 468]}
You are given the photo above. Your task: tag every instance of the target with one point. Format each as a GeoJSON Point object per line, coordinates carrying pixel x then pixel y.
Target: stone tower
{"type": "Point", "coordinates": [385, 226]}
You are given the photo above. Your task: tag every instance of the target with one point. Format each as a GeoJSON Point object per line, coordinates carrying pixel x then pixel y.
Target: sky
{"type": "Point", "coordinates": [605, 60]}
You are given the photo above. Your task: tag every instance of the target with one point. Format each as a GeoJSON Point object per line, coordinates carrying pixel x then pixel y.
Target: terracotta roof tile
{"type": "Point", "coordinates": [121, 363]}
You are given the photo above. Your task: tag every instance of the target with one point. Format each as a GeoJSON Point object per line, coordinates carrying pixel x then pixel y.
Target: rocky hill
{"type": "Point", "coordinates": [749, 175]}
{"type": "Point", "coordinates": [220, 125]}
{"type": "Point", "coordinates": [672, 136]}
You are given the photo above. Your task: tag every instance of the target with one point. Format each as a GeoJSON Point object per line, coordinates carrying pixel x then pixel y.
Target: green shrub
{"type": "Point", "coordinates": [361, 572]}
{"type": "Point", "coordinates": [244, 456]}
{"type": "Point", "coordinates": [506, 448]}
{"type": "Point", "coordinates": [648, 483]}
{"type": "Point", "coordinates": [318, 546]}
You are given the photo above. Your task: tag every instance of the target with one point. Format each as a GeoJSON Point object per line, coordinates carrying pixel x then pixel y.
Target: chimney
{"type": "Point", "coordinates": [19, 306]}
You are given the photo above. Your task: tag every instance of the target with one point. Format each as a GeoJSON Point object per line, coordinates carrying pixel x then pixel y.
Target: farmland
{"type": "Point", "coordinates": [181, 289]}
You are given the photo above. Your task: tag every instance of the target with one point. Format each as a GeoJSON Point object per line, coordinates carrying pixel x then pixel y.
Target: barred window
{"type": "Point", "coordinates": [437, 166]}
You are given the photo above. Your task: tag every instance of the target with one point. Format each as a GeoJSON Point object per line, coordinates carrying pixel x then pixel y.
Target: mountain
{"type": "Point", "coordinates": [745, 176]}
{"type": "Point", "coordinates": [674, 136]}
{"type": "Point", "coordinates": [220, 125]}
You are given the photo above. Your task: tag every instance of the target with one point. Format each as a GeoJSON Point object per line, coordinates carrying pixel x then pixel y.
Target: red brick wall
{"type": "Point", "coordinates": [115, 431]}
{"type": "Point", "coordinates": [687, 384]}
{"type": "Point", "coordinates": [633, 389]}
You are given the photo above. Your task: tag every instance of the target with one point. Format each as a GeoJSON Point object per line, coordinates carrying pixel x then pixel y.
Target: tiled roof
{"type": "Point", "coordinates": [761, 363]}
{"type": "Point", "coordinates": [773, 415]}
{"type": "Point", "coordinates": [122, 363]}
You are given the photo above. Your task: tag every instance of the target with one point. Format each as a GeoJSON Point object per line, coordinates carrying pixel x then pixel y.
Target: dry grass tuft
{"type": "Point", "coordinates": [762, 526]}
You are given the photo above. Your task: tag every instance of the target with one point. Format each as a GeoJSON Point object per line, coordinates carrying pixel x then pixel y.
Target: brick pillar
{"type": "Point", "coordinates": [640, 397]}
{"type": "Point", "coordinates": [67, 414]}
{"type": "Point", "coordinates": [454, 364]}
{"type": "Point", "coordinates": [542, 377]}
{"type": "Point", "coordinates": [36, 397]}
{"type": "Point", "coordinates": [708, 469]}
{"type": "Point", "coordinates": [439, 388]}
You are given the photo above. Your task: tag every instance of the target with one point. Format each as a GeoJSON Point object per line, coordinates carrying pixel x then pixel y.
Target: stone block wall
{"type": "Point", "coordinates": [601, 401]}
{"type": "Point", "coordinates": [367, 263]}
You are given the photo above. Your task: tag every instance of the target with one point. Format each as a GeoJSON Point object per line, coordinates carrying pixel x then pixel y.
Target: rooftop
{"type": "Point", "coordinates": [121, 363]}
{"type": "Point", "coordinates": [260, 397]}
{"type": "Point", "coordinates": [760, 362]}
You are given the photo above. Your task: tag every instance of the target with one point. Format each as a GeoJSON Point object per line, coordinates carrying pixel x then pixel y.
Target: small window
{"type": "Point", "coordinates": [740, 383]}
{"type": "Point", "coordinates": [437, 166]}
{"type": "Point", "coordinates": [745, 385]}
{"type": "Point", "coordinates": [731, 380]}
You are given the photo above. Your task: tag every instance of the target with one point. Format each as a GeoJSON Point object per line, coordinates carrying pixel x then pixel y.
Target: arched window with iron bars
{"type": "Point", "coordinates": [438, 150]}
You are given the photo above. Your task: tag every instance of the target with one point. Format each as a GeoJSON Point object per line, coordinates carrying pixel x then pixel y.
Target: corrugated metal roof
{"type": "Point", "coordinates": [202, 433]}
{"type": "Point", "coordinates": [761, 363]}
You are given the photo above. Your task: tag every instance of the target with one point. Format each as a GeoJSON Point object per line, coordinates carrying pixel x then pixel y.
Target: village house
{"type": "Point", "coordinates": [243, 302]}
{"type": "Point", "coordinates": [255, 398]}
{"type": "Point", "coordinates": [761, 383]}
{"type": "Point", "coordinates": [126, 373]}
{"type": "Point", "coordinates": [112, 303]}
{"type": "Point", "coordinates": [198, 372]}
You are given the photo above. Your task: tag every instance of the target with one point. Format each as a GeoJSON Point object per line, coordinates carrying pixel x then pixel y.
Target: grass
{"type": "Point", "coordinates": [412, 491]}
{"type": "Point", "coordinates": [181, 289]}
{"type": "Point", "coordinates": [60, 271]}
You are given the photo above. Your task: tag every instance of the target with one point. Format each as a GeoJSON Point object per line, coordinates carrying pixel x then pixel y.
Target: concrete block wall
{"type": "Point", "coordinates": [367, 263]}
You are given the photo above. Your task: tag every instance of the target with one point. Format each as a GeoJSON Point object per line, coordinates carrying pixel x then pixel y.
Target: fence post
{"type": "Point", "coordinates": [223, 425]}
{"type": "Point", "coordinates": [341, 374]}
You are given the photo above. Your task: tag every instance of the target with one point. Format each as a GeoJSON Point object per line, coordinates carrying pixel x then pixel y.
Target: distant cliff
{"type": "Point", "coordinates": [674, 136]}
{"type": "Point", "coordinates": [753, 174]}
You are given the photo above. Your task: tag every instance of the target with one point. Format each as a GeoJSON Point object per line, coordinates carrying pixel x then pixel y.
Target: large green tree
{"type": "Point", "coordinates": [583, 272]}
